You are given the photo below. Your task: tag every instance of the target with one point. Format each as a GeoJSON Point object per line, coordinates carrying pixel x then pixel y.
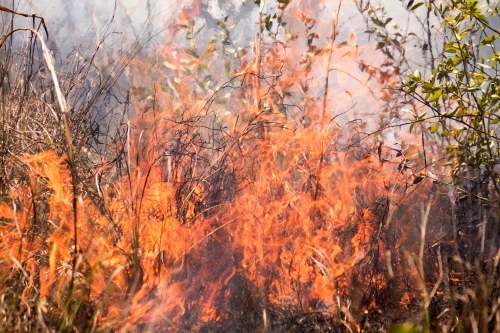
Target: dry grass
{"type": "Point", "coordinates": [60, 105]}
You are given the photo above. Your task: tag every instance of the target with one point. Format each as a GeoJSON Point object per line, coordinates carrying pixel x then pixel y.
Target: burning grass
{"type": "Point", "coordinates": [242, 206]}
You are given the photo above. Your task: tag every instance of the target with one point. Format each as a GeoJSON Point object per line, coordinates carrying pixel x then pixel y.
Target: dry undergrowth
{"type": "Point", "coordinates": [52, 108]}
{"type": "Point", "coordinates": [60, 106]}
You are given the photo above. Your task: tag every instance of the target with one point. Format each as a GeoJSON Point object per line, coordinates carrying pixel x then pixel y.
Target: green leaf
{"type": "Point", "coordinates": [488, 40]}
{"type": "Point", "coordinates": [378, 22]}
{"type": "Point", "coordinates": [403, 328]}
{"type": "Point", "coordinates": [220, 100]}
{"type": "Point", "coordinates": [441, 74]}
{"type": "Point", "coordinates": [450, 113]}
{"type": "Point", "coordinates": [456, 61]}
{"type": "Point", "coordinates": [451, 147]}
{"type": "Point", "coordinates": [415, 6]}
{"type": "Point", "coordinates": [481, 17]}
{"type": "Point", "coordinates": [191, 53]}
{"type": "Point", "coordinates": [434, 128]}
{"type": "Point", "coordinates": [206, 81]}
{"type": "Point", "coordinates": [435, 96]}
{"type": "Point", "coordinates": [463, 34]}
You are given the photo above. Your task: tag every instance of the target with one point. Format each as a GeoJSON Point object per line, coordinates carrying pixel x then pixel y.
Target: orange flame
{"type": "Point", "coordinates": [224, 195]}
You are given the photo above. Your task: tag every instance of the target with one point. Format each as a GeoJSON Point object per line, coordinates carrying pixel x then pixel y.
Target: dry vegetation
{"type": "Point", "coordinates": [60, 107]}
{"type": "Point", "coordinates": [114, 221]}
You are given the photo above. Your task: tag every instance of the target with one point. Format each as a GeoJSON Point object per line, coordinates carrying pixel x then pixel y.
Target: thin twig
{"type": "Point", "coordinates": [335, 20]}
{"type": "Point", "coordinates": [42, 21]}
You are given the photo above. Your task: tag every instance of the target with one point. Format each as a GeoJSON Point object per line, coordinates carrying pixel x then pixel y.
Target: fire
{"type": "Point", "coordinates": [226, 203]}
